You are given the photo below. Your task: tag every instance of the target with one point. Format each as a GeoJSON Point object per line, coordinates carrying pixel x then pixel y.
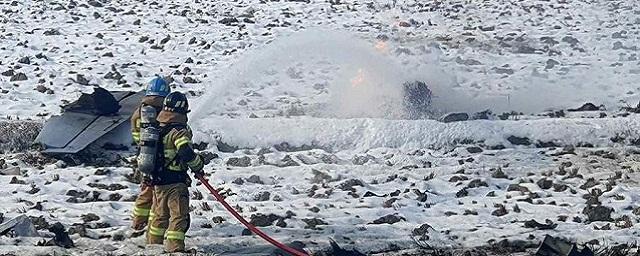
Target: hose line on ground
{"type": "Point", "coordinates": [253, 229]}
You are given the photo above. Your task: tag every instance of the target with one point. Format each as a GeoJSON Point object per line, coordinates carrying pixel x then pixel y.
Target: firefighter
{"type": "Point", "coordinates": [156, 91]}
{"type": "Point", "coordinates": [171, 194]}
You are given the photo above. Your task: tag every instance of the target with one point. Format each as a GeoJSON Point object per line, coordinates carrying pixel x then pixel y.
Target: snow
{"type": "Point", "coordinates": [362, 134]}
{"type": "Point", "coordinates": [310, 92]}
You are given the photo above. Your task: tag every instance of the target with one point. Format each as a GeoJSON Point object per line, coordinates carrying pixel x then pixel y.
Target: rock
{"type": "Point", "coordinates": [503, 71]}
{"type": "Point", "coordinates": [246, 232]}
{"type": "Point", "coordinates": [501, 211]}
{"type": "Point", "coordinates": [519, 140]}
{"type": "Point", "coordinates": [422, 230]}
{"type": "Point", "coordinates": [18, 77]}
{"type": "Point", "coordinates": [41, 88]}
{"type": "Point", "coordinates": [262, 196]}
{"type": "Point", "coordinates": [586, 107]}
{"type": "Point", "coordinates": [336, 250]}
{"type": "Point", "coordinates": [462, 193]}
{"type": "Point", "coordinates": [534, 224]}
{"type": "Point", "coordinates": [287, 161]}
{"type": "Point", "coordinates": [165, 40]}
{"type": "Point", "coordinates": [313, 223]}
{"type": "Point", "coordinates": [81, 80]}
{"type": "Point", "coordinates": [545, 183]}
{"type": "Point", "coordinates": [499, 174]}
{"type": "Point", "coordinates": [388, 219]}
{"type": "Point", "coordinates": [51, 32]}
{"type": "Point", "coordinates": [454, 117]}
{"type": "Point", "coordinates": [7, 73]}
{"type": "Point", "coordinates": [229, 21]}
{"type": "Point", "coordinates": [41, 56]}
{"type": "Point", "coordinates": [320, 177]}
{"type": "Point", "coordinates": [189, 80]}
{"type": "Point", "coordinates": [474, 150]}
{"type": "Point", "coordinates": [598, 213]}
{"type": "Point", "coordinates": [244, 161]}
{"type": "Point", "coordinates": [349, 184]}
{"type": "Point", "coordinates": [15, 180]}
{"type": "Point", "coordinates": [551, 63]}
{"type": "Point", "coordinates": [255, 179]}
{"type": "Point", "coordinates": [90, 217]}
{"type": "Point", "coordinates": [25, 60]}
{"type": "Point", "coordinates": [477, 183]}
{"type": "Point", "coordinates": [107, 54]}
{"type": "Point", "coordinates": [61, 238]}
{"type": "Point", "coordinates": [517, 187]}
{"type": "Point", "coordinates": [361, 160]}
{"type": "Point", "coordinates": [262, 220]}
{"type": "Point", "coordinates": [94, 3]}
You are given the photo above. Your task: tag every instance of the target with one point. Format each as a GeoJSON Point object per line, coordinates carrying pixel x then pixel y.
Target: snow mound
{"type": "Point", "coordinates": [362, 134]}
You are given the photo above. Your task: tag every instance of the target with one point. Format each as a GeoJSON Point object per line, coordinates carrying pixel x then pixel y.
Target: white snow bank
{"type": "Point", "coordinates": [371, 133]}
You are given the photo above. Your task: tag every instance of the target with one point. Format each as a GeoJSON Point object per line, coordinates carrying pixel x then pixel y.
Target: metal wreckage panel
{"type": "Point", "coordinates": [76, 128]}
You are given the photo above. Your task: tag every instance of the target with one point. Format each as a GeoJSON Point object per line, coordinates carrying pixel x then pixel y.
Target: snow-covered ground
{"type": "Point", "coordinates": [303, 99]}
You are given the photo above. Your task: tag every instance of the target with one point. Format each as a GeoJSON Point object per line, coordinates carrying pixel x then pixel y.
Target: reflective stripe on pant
{"type": "Point", "coordinates": [142, 207]}
{"type": "Point", "coordinates": [172, 212]}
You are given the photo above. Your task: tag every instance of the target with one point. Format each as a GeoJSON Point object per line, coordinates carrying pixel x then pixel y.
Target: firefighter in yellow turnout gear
{"type": "Point", "coordinates": [171, 203]}
{"type": "Point", "coordinates": [157, 89]}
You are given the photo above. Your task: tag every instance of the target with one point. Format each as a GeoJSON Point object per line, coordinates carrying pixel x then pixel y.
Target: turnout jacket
{"type": "Point", "coordinates": [154, 101]}
{"type": "Point", "coordinates": [177, 150]}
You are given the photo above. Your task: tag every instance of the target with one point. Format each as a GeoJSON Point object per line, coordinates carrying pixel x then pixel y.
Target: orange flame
{"type": "Point", "coordinates": [358, 79]}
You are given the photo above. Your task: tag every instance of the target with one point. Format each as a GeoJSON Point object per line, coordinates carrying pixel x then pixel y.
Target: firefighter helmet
{"type": "Point", "coordinates": [176, 102]}
{"type": "Point", "coordinates": [158, 87]}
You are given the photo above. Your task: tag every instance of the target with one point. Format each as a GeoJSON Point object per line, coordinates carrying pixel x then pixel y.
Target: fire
{"type": "Point", "coordinates": [358, 80]}
{"type": "Point", "coordinates": [382, 47]}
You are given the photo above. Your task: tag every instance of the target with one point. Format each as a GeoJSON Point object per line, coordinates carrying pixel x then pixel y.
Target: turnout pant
{"type": "Point", "coordinates": [171, 220]}
{"type": "Point", "coordinates": [142, 207]}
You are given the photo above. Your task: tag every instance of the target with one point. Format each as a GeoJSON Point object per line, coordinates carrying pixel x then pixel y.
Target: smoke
{"type": "Point", "coordinates": [364, 81]}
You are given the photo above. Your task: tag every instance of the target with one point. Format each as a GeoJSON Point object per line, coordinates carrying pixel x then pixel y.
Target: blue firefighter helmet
{"type": "Point", "coordinates": [158, 87]}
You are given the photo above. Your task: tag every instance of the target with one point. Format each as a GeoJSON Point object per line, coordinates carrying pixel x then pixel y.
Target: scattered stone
{"type": "Point", "coordinates": [229, 21]}
{"type": "Point", "coordinates": [94, 3]}
{"type": "Point", "coordinates": [598, 213]}
{"type": "Point", "coordinates": [477, 183]}
{"type": "Point", "coordinates": [519, 140]}
{"type": "Point", "coordinates": [25, 60]}
{"type": "Point", "coordinates": [107, 54]}
{"type": "Point", "coordinates": [545, 183]}
{"type": "Point", "coordinates": [517, 187]}
{"type": "Point", "coordinates": [7, 73]}
{"type": "Point", "coordinates": [454, 117]}
{"type": "Point", "coordinates": [534, 224]}
{"type": "Point", "coordinates": [244, 161]}
{"type": "Point", "coordinates": [89, 217]}
{"type": "Point", "coordinates": [51, 32]}
{"type": "Point", "coordinates": [501, 211]}
{"type": "Point", "coordinates": [262, 196]}
{"type": "Point", "coordinates": [474, 150]}
{"type": "Point", "coordinates": [18, 77]}
{"type": "Point", "coordinates": [388, 219]}
{"type": "Point", "coordinates": [499, 174]}
{"type": "Point", "coordinates": [349, 184]}
{"type": "Point", "coordinates": [586, 107]}
{"type": "Point", "coordinates": [81, 79]}
{"type": "Point", "coordinates": [255, 179]}
{"type": "Point", "coordinates": [61, 238]}
{"type": "Point", "coordinates": [313, 223]}
{"type": "Point", "coordinates": [262, 220]}
{"type": "Point", "coordinates": [361, 160]}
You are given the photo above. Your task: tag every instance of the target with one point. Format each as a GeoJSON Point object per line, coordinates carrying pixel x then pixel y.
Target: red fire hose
{"type": "Point", "coordinates": [253, 229]}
